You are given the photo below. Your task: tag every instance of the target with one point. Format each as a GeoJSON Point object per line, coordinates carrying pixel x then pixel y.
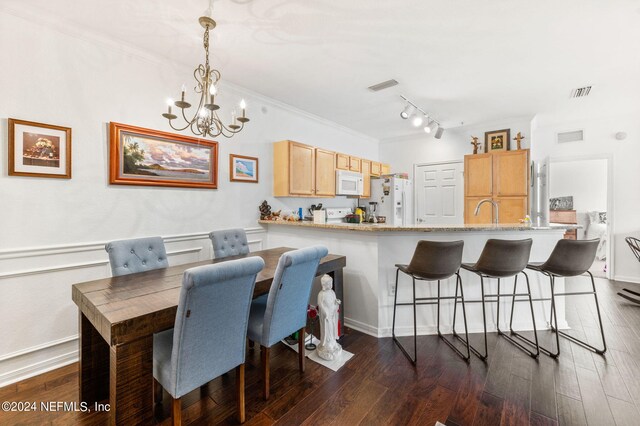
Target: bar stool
{"type": "Point", "coordinates": [432, 261]}
{"type": "Point", "coordinates": [503, 259]}
{"type": "Point", "coordinates": [570, 258]}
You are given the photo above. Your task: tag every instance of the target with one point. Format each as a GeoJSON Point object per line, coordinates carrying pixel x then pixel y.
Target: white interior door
{"type": "Point", "coordinates": [439, 193]}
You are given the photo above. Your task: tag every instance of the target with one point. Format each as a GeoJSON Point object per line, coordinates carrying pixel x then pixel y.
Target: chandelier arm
{"type": "Point", "coordinates": [178, 128]}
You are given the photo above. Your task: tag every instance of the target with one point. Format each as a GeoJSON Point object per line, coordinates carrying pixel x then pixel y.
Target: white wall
{"type": "Point", "coordinates": [600, 124]}
{"type": "Point", "coordinates": [402, 153]}
{"type": "Point", "coordinates": [52, 231]}
{"type": "Point", "coordinates": [585, 180]}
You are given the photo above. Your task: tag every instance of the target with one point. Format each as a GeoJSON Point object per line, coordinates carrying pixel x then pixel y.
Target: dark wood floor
{"type": "Point", "coordinates": [379, 386]}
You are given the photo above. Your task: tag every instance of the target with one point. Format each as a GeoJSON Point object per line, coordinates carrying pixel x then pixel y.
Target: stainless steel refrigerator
{"type": "Point", "coordinates": [395, 199]}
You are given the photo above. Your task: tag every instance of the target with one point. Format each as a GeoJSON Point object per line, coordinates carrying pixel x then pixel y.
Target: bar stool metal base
{"type": "Point", "coordinates": [431, 301]}
{"type": "Point", "coordinates": [554, 317]}
{"type": "Point", "coordinates": [516, 335]}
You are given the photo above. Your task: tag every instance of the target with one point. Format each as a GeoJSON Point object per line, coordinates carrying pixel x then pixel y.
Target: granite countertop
{"type": "Point", "coordinates": [380, 227]}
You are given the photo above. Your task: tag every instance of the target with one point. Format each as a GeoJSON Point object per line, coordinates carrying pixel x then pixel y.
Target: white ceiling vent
{"type": "Point", "coordinates": [383, 85]}
{"type": "Point", "coordinates": [572, 136]}
{"type": "Point", "coordinates": [581, 92]}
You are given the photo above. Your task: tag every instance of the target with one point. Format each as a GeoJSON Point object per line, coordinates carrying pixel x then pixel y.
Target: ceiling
{"type": "Point", "coordinates": [461, 60]}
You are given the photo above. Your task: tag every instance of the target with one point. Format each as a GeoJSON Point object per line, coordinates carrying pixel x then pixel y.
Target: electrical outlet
{"type": "Point", "coordinates": [392, 289]}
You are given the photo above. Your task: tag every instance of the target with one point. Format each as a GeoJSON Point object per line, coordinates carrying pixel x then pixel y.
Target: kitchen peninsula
{"type": "Point", "coordinates": [372, 250]}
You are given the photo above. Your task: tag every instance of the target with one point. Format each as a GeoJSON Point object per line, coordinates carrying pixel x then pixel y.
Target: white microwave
{"type": "Point", "coordinates": [349, 183]}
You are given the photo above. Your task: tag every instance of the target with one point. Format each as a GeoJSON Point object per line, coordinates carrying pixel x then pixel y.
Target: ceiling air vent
{"type": "Point", "coordinates": [383, 85]}
{"type": "Point", "coordinates": [581, 92]}
{"type": "Point", "coordinates": [572, 136]}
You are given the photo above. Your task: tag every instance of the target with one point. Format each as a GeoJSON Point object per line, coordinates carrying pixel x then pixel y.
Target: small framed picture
{"type": "Point", "coordinates": [39, 150]}
{"type": "Point", "coordinates": [243, 169]}
{"type": "Point", "coordinates": [497, 140]}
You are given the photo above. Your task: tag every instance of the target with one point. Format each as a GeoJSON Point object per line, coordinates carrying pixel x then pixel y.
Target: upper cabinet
{"type": "Point", "coordinates": [385, 169]}
{"type": "Point", "coordinates": [502, 177]}
{"type": "Point", "coordinates": [376, 168]}
{"type": "Point", "coordinates": [511, 171]}
{"type": "Point", "coordinates": [325, 173]}
{"type": "Point", "coordinates": [301, 170]}
{"type": "Point", "coordinates": [342, 161]}
{"type": "Point", "coordinates": [366, 178]}
{"type": "Point", "coordinates": [355, 164]}
{"type": "Point", "coordinates": [478, 175]}
{"type": "Point", "coordinates": [294, 169]}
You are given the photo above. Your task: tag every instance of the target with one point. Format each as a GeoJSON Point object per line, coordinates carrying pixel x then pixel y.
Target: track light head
{"type": "Point", "coordinates": [407, 111]}
{"type": "Point", "coordinates": [439, 132]}
{"type": "Point", "coordinates": [430, 126]}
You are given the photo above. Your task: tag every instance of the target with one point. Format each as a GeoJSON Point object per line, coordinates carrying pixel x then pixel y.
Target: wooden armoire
{"type": "Point", "coordinates": [501, 176]}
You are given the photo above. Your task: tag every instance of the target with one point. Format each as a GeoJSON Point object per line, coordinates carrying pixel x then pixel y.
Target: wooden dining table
{"type": "Point", "coordinates": [119, 315]}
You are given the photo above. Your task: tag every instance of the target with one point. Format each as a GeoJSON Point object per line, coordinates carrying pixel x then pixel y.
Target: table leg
{"type": "Point", "coordinates": [94, 363]}
{"type": "Point", "coordinates": [131, 384]}
{"type": "Point", "coordinates": [337, 288]}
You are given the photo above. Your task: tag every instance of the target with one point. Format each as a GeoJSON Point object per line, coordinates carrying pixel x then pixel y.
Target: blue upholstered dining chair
{"type": "Point", "coordinates": [284, 310]}
{"type": "Point", "coordinates": [229, 242]}
{"type": "Point", "coordinates": [136, 255]}
{"type": "Point", "coordinates": [210, 333]}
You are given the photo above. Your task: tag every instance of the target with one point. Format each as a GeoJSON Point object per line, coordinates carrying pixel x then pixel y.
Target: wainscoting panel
{"type": "Point", "coordinates": [39, 319]}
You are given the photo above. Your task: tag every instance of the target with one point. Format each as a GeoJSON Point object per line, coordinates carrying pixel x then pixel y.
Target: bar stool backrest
{"type": "Point", "coordinates": [571, 257]}
{"type": "Point", "coordinates": [435, 260]}
{"type": "Point", "coordinates": [634, 245]}
{"type": "Point", "coordinates": [504, 258]}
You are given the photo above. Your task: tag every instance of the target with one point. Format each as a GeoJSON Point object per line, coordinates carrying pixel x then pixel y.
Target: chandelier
{"type": "Point", "coordinates": [205, 120]}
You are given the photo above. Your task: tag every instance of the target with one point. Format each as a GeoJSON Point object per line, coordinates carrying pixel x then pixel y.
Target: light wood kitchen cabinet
{"type": "Point", "coordinates": [366, 178]}
{"type": "Point", "coordinates": [511, 173]}
{"type": "Point", "coordinates": [385, 169]}
{"type": "Point", "coordinates": [325, 173]}
{"type": "Point", "coordinates": [485, 215]}
{"type": "Point", "coordinates": [355, 164]}
{"type": "Point", "coordinates": [478, 175]}
{"type": "Point", "coordinates": [376, 168]}
{"type": "Point", "coordinates": [301, 170]}
{"type": "Point", "coordinates": [502, 177]}
{"type": "Point", "coordinates": [342, 161]}
{"type": "Point", "coordinates": [511, 209]}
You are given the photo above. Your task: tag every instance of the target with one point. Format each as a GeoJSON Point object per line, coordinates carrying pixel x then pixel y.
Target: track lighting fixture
{"type": "Point", "coordinates": [407, 111]}
{"type": "Point", "coordinates": [419, 117]}
{"type": "Point", "coordinates": [430, 126]}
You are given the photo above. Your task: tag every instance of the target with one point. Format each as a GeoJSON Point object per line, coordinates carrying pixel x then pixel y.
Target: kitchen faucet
{"type": "Point", "coordinates": [495, 205]}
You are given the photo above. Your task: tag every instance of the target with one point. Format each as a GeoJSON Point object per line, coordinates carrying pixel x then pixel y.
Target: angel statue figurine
{"type": "Point", "coordinates": [328, 349]}
{"type": "Point", "coordinates": [475, 143]}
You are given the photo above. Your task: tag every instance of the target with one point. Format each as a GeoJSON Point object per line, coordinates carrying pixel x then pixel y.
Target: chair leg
{"type": "Point", "coordinates": [533, 320]}
{"type": "Point", "coordinates": [157, 392]}
{"type": "Point", "coordinates": [582, 343]}
{"type": "Point", "coordinates": [264, 358]}
{"type": "Point", "coordinates": [240, 388]}
{"type": "Point", "coordinates": [176, 411]}
{"type": "Point", "coordinates": [393, 324]}
{"type": "Point", "coordinates": [301, 353]}
{"type": "Point", "coordinates": [484, 323]}
{"type": "Point", "coordinates": [498, 309]}
{"type": "Point", "coordinates": [455, 302]}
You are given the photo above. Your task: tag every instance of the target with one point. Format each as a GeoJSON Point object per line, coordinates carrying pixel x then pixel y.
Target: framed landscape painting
{"type": "Point", "coordinates": [149, 157]}
{"type": "Point", "coordinates": [243, 169]}
{"type": "Point", "coordinates": [497, 140]}
{"type": "Point", "coordinates": [39, 150]}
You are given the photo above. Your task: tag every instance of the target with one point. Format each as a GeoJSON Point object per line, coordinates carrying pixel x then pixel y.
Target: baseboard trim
{"type": "Point", "coordinates": [361, 327]}
{"type": "Point", "coordinates": [627, 279]}
{"type": "Point", "coordinates": [29, 362]}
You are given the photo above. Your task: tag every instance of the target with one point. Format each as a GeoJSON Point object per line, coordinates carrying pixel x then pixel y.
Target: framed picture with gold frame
{"type": "Point", "coordinates": [147, 157]}
{"type": "Point", "coordinates": [39, 150]}
{"type": "Point", "coordinates": [243, 169]}
{"type": "Point", "coordinates": [497, 140]}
